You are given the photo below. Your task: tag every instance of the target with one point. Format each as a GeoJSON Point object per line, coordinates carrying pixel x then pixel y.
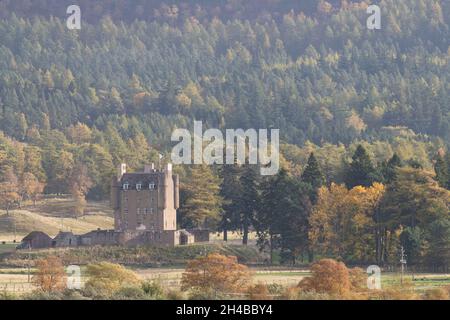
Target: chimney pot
{"type": "Point", "coordinates": [149, 168]}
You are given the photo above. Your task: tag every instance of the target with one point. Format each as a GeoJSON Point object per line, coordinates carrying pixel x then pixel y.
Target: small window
{"type": "Point", "coordinates": [139, 187]}
{"type": "Point", "coordinates": [151, 186]}
{"type": "Point", "coordinates": [126, 186]}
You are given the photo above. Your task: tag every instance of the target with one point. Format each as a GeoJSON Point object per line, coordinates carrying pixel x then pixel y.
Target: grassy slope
{"type": "Point", "coordinates": [138, 257]}
{"type": "Point", "coordinates": [53, 215]}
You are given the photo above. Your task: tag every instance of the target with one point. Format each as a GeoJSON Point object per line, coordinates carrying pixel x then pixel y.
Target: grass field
{"type": "Point", "coordinates": [7, 247]}
{"type": "Point", "coordinates": [15, 280]}
{"type": "Point", "coordinates": [52, 216]}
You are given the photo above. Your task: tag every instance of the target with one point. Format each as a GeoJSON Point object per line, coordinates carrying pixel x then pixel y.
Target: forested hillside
{"type": "Point", "coordinates": [321, 78]}
{"type": "Point", "coordinates": [75, 104]}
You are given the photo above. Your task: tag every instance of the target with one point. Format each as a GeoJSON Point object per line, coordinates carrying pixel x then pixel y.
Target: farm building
{"type": "Point", "coordinates": [65, 240]}
{"type": "Point", "coordinates": [36, 240]}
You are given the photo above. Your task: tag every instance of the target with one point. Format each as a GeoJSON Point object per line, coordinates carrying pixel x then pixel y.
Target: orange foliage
{"type": "Point", "coordinates": [50, 275]}
{"type": "Point", "coordinates": [335, 279]}
{"type": "Point", "coordinates": [216, 273]}
{"type": "Point", "coordinates": [259, 292]}
{"type": "Point", "coordinates": [328, 276]}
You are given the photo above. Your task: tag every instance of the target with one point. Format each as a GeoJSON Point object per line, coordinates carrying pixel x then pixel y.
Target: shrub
{"type": "Point", "coordinates": [259, 291]}
{"type": "Point", "coordinates": [105, 279]}
{"type": "Point", "coordinates": [296, 293]}
{"type": "Point", "coordinates": [201, 295]}
{"type": "Point", "coordinates": [129, 293]}
{"type": "Point", "coordinates": [50, 275]}
{"type": "Point", "coordinates": [43, 295]}
{"type": "Point", "coordinates": [436, 294]}
{"type": "Point", "coordinates": [4, 295]}
{"type": "Point", "coordinates": [215, 273]}
{"type": "Point", "coordinates": [328, 276]}
{"type": "Point", "coordinates": [397, 292]}
{"type": "Point", "coordinates": [153, 289]}
{"type": "Point", "coordinates": [276, 289]}
{"type": "Point", "coordinates": [175, 295]}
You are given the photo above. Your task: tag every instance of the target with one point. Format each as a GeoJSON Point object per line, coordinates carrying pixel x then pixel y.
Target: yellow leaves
{"type": "Point", "coordinates": [215, 273]}
{"type": "Point", "coordinates": [79, 133]}
{"type": "Point", "coordinates": [328, 276]}
{"type": "Point", "coordinates": [342, 216]}
{"type": "Point", "coordinates": [107, 278]}
{"type": "Point", "coordinates": [183, 100]}
{"type": "Point", "coordinates": [50, 275]}
{"type": "Point", "coordinates": [332, 60]}
{"type": "Point", "coordinates": [355, 122]}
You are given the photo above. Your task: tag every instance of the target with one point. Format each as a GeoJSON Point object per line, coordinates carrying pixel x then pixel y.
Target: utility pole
{"type": "Point", "coordinates": [403, 262]}
{"type": "Point", "coordinates": [29, 262]}
{"type": "Point", "coordinates": [15, 227]}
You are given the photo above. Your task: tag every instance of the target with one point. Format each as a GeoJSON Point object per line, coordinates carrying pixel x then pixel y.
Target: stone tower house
{"type": "Point", "coordinates": [146, 201]}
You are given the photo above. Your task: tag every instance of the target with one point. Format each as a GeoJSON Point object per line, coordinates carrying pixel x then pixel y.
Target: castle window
{"type": "Point", "coordinates": [139, 187]}
{"type": "Point", "coordinates": [151, 186]}
{"type": "Point", "coordinates": [126, 186]}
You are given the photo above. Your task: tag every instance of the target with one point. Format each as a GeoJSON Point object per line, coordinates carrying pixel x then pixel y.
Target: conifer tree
{"type": "Point", "coordinates": [203, 203]}
{"type": "Point", "coordinates": [441, 167]}
{"type": "Point", "coordinates": [249, 200]}
{"type": "Point", "coordinates": [361, 171]}
{"type": "Point", "coordinates": [230, 191]}
{"type": "Point", "coordinates": [313, 176]}
{"type": "Point", "coordinates": [389, 168]}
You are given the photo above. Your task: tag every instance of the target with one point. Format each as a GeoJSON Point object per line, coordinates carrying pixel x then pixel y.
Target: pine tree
{"type": "Point", "coordinates": [281, 220]}
{"type": "Point", "coordinates": [441, 167]}
{"type": "Point", "coordinates": [230, 191]}
{"type": "Point", "coordinates": [313, 176]}
{"type": "Point", "coordinates": [361, 171]}
{"type": "Point", "coordinates": [389, 168]}
{"type": "Point", "coordinates": [249, 200]}
{"type": "Point", "coordinates": [202, 204]}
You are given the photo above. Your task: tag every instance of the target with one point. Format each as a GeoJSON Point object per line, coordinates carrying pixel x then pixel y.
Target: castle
{"type": "Point", "coordinates": [145, 213]}
{"type": "Point", "coordinates": [146, 203]}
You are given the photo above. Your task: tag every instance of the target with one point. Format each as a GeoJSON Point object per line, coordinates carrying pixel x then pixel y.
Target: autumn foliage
{"type": "Point", "coordinates": [335, 279]}
{"type": "Point", "coordinates": [215, 273]}
{"type": "Point", "coordinates": [107, 278]}
{"type": "Point", "coordinates": [259, 291]}
{"type": "Point", "coordinates": [328, 276]}
{"type": "Point", "coordinates": [50, 275]}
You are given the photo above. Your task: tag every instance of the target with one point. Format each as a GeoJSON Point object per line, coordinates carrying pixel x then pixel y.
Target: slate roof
{"type": "Point", "coordinates": [36, 234]}
{"type": "Point", "coordinates": [140, 178]}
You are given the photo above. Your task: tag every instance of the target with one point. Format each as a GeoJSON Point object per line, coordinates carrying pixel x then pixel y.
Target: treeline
{"type": "Point", "coordinates": [174, 11]}
{"type": "Point", "coordinates": [302, 215]}
{"type": "Point", "coordinates": [323, 78]}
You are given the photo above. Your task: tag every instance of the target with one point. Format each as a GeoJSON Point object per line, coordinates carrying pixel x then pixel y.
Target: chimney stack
{"type": "Point", "coordinates": [149, 168]}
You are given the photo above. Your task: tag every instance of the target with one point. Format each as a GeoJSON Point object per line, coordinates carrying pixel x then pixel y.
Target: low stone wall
{"type": "Point", "coordinates": [137, 238]}
{"type": "Point", "coordinates": [99, 238]}
{"type": "Point", "coordinates": [200, 235]}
